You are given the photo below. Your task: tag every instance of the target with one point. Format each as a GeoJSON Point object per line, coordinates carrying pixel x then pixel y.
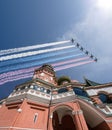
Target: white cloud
{"type": "Point", "coordinates": [95, 34]}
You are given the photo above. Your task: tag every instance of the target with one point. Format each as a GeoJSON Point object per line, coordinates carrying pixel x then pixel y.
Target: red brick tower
{"type": "Point", "coordinates": [48, 103]}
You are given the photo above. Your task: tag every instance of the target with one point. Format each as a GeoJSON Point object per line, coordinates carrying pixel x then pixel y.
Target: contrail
{"type": "Point", "coordinates": [70, 61]}
{"type": "Point", "coordinates": [14, 56]}
{"type": "Point", "coordinates": [15, 78]}
{"type": "Point", "coordinates": [17, 72]}
{"type": "Point", "coordinates": [14, 60]}
{"type": "Point", "coordinates": [35, 63]}
{"type": "Point", "coordinates": [28, 75]}
{"type": "Point", "coordinates": [27, 70]}
{"type": "Point", "coordinates": [15, 50]}
{"type": "Point", "coordinates": [35, 57]}
{"type": "Point", "coordinates": [72, 65]}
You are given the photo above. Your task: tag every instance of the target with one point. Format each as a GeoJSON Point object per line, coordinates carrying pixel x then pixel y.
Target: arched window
{"type": "Point", "coordinates": [42, 89]}
{"type": "Point", "coordinates": [31, 86]}
{"type": "Point", "coordinates": [22, 87]}
{"type": "Point", "coordinates": [80, 92]}
{"type": "Point", "coordinates": [36, 87]}
{"type": "Point", "coordinates": [103, 97]}
{"type": "Point", "coordinates": [62, 90]}
{"type": "Point", "coordinates": [48, 91]}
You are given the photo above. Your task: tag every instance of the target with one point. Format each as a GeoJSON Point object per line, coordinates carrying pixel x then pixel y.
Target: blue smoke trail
{"type": "Point", "coordinates": [30, 74]}
{"type": "Point", "coordinates": [31, 69]}
{"type": "Point", "coordinates": [20, 66]}
{"type": "Point", "coordinates": [36, 57]}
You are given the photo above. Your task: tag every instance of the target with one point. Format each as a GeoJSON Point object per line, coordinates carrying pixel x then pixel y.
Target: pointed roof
{"type": "Point", "coordinates": [90, 83]}
{"type": "Point", "coordinates": [47, 67]}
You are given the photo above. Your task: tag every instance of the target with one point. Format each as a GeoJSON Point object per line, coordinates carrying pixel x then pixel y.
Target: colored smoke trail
{"type": "Point", "coordinates": [70, 61]}
{"type": "Point", "coordinates": [20, 66]}
{"type": "Point", "coordinates": [28, 75]}
{"type": "Point", "coordinates": [15, 50]}
{"type": "Point", "coordinates": [31, 58]}
{"type": "Point", "coordinates": [25, 54]}
{"type": "Point", "coordinates": [72, 65]}
{"type": "Point", "coordinates": [15, 78]}
{"type": "Point", "coordinates": [17, 72]}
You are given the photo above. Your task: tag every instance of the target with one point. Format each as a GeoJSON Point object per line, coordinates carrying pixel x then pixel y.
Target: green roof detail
{"type": "Point", "coordinates": [90, 83]}
{"type": "Point", "coordinates": [63, 78]}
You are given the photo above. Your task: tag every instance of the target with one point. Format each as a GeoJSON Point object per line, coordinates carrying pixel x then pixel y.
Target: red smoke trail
{"type": "Point", "coordinates": [70, 61]}
{"type": "Point", "coordinates": [30, 74]}
{"type": "Point", "coordinates": [17, 72]}
{"type": "Point", "coordinates": [72, 65]}
{"type": "Point", "coordinates": [27, 70]}
{"type": "Point", "coordinates": [15, 78]}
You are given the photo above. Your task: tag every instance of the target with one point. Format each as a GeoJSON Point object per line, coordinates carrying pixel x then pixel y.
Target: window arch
{"type": "Point", "coordinates": [80, 92]}
{"type": "Point", "coordinates": [103, 96]}
{"type": "Point", "coordinates": [62, 90]}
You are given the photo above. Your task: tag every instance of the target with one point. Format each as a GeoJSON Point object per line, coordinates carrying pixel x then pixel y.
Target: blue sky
{"type": "Point", "coordinates": [29, 22]}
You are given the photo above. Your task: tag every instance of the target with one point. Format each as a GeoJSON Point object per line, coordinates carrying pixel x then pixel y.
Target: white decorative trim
{"type": "Point", "coordinates": [51, 115]}
{"type": "Point", "coordinates": [77, 112]}
{"type": "Point", "coordinates": [17, 128]}
{"type": "Point", "coordinates": [40, 94]}
{"type": "Point", "coordinates": [91, 92]}
{"type": "Point", "coordinates": [95, 91]}
{"type": "Point", "coordinates": [80, 112]}
{"type": "Point", "coordinates": [61, 95]}
{"type": "Point", "coordinates": [19, 110]}
{"type": "Point", "coordinates": [73, 112]}
{"type": "Point", "coordinates": [109, 121]}
{"type": "Point", "coordinates": [109, 109]}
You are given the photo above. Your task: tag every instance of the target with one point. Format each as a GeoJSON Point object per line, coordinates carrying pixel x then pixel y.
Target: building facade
{"type": "Point", "coordinates": [50, 103]}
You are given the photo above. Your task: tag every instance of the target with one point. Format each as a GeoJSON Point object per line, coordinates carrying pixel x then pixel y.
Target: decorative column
{"type": "Point", "coordinates": [50, 122]}
{"type": "Point", "coordinates": [80, 122]}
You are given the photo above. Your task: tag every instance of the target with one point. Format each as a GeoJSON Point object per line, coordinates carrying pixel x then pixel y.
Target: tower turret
{"type": "Point", "coordinates": [46, 73]}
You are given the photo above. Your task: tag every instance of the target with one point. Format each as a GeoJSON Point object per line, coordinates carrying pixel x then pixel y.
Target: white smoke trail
{"type": "Point", "coordinates": [35, 57]}
{"type": "Point", "coordinates": [14, 50]}
{"type": "Point", "coordinates": [20, 55]}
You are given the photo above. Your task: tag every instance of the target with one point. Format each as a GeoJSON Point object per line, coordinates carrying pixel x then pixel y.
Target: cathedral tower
{"type": "Point", "coordinates": [50, 103]}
